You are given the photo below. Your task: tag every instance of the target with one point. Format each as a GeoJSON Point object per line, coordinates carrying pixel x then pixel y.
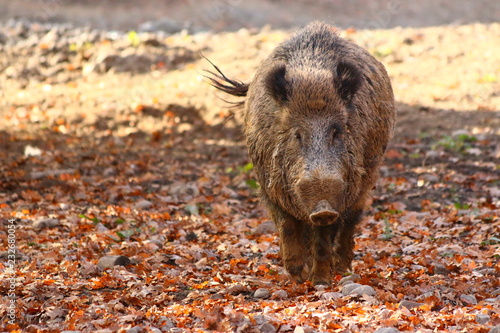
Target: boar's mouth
{"type": "Point", "coordinates": [323, 214]}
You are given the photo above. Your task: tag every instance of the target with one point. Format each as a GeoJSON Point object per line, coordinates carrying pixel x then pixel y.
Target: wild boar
{"type": "Point", "coordinates": [318, 116]}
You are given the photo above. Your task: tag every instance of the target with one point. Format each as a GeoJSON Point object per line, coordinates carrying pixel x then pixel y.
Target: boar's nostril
{"type": "Point", "coordinates": [323, 214]}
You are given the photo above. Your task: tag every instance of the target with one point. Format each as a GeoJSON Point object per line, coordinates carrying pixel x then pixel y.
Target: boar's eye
{"type": "Point", "coordinates": [334, 133]}
{"type": "Point", "coordinates": [298, 136]}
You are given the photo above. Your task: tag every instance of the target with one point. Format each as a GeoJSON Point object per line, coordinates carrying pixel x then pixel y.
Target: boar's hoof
{"type": "Point", "coordinates": [298, 273]}
{"type": "Point", "coordinates": [323, 214]}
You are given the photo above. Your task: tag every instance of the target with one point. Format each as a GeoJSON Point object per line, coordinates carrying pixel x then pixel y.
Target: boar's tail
{"type": "Point", "coordinates": [225, 84]}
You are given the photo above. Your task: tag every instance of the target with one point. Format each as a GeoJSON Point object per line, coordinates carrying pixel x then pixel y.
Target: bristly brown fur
{"type": "Point", "coordinates": [223, 83]}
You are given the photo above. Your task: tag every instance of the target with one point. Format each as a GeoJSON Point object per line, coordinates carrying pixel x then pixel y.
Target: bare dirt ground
{"type": "Point", "coordinates": [112, 143]}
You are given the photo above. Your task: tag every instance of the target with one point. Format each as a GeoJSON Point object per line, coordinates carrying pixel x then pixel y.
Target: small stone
{"type": "Point", "coordinates": [12, 72]}
{"type": "Point", "coordinates": [320, 287]}
{"type": "Point", "coordinates": [216, 296]}
{"type": "Point", "coordinates": [330, 296]}
{"type": "Point", "coordinates": [482, 318]}
{"type": "Point", "coordinates": [267, 227]}
{"type": "Point", "coordinates": [279, 294]}
{"type": "Point", "coordinates": [468, 299]}
{"type": "Point", "coordinates": [387, 330]}
{"type": "Point", "coordinates": [363, 290]}
{"type": "Point", "coordinates": [267, 328]}
{"type": "Point", "coordinates": [32, 151]}
{"type": "Point", "coordinates": [409, 304]}
{"type": "Point", "coordinates": [192, 209]}
{"type": "Point", "coordinates": [349, 279]}
{"type": "Point", "coordinates": [143, 204]}
{"type": "Point", "coordinates": [3, 38]}
{"type": "Point", "coordinates": [262, 293]}
{"type": "Point", "coordinates": [460, 132]}
{"type": "Point", "coordinates": [346, 290]}
{"type": "Point", "coordinates": [432, 154]}
{"type": "Point", "coordinates": [109, 172]}
{"type": "Point", "coordinates": [162, 24]}
{"type": "Point", "coordinates": [110, 261]}
{"type": "Point", "coordinates": [486, 271]}
{"type": "Point", "coordinates": [184, 191]}
{"type": "Point", "coordinates": [101, 228]}
{"type": "Point", "coordinates": [260, 319]}
{"type": "Point", "coordinates": [135, 329]}
{"type": "Point", "coordinates": [46, 223]}
{"type": "Point", "coordinates": [303, 329]}
{"type": "Point", "coordinates": [441, 270]}
{"type": "Point", "coordinates": [166, 322]}
{"type": "Point", "coordinates": [491, 300]}
{"type": "Point", "coordinates": [236, 289]}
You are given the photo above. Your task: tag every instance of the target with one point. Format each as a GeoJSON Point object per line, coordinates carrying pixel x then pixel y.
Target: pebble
{"type": "Point", "coordinates": [267, 328]}
{"type": "Point", "coordinates": [267, 227]}
{"type": "Point", "coordinates": [349, 279]}
{"type": "Point", "coordinates": [166, 322]}
{"type": "Point", "coordinates": [303, 329]}
{"type": "Point", "coordinates": [330, 296]}
{"type": "Point", "coordinates": [482, 318]}
{"type": "Point", "coordinates": [363, 290]}
{"type": "Point", "coordinates": [135, 329]}
{"type": "Point", "coordinates": [3, 38]}
{"type": "Point", "coordinates": [441, 270]}
{"type": "Point", "coordinates": [468, 299]}
{"type": "Point", "coordinates": [46, 223]}
{"type": "Point", "coordinates": [262, 293]}
{"type": "Point", "coordinates": [459, 132]}
{"type": "Point", "coordinates": [236, 289]}
{"type": "Point", "coordinates": [409, 304]}
{"type": "Point", "coordinates": [163, 24]}
{"type": "Point", "coordinates": [387, 330]}
{"type": "Point", "coordinates": [320, 287]}
{"type": "Point", "coordinates": [192, 209]}
{"type": "Point", "coordinates": [111, 261]}
{"type": "Point", "coordinates": [279, 294]}
{"type": "Point", "coordinates": [216, 296]}
{"type": "Point", "coordinates": [346, 290]}
{"type": "Point", "coordinates": [184, 190]}
{"type": "Point", "coordinates": [143, 204]}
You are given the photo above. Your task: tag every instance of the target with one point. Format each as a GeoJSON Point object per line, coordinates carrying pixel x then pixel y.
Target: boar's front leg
{"type": "Point", "coordinates": [292, 243]}
{"type": "Point", "coordinates": [321, 243]}
{"type": "Point", "coordinates": [343, 248]}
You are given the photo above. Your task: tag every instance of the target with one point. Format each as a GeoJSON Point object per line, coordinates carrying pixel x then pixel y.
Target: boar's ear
{"type": "Point", "coordinates": [348, 80]}
{"type": "Point", "coordinates": [276, 83]}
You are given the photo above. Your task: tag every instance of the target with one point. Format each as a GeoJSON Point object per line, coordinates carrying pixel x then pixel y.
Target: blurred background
{"type": "Point", "coordinates": [89, 60]}
{"type": "Point", "coordinates": [217, 15]}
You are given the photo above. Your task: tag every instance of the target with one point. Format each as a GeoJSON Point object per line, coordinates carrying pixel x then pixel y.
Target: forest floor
{"type": "Point", "coordinates": [115, 150]}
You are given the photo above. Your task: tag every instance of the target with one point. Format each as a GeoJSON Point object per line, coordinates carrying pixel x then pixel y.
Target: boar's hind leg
{"type": "Point", "coordinates": [292, 243]}
{"type": "Point", "coordinates": [344, 242]}
{"type": "Point", "coordinates": [321, 243]}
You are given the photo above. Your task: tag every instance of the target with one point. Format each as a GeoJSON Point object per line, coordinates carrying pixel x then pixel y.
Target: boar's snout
{"type": "Point", "coordinates": [321, 198]}
{"type": "Point", "coordinates": [323, 214]}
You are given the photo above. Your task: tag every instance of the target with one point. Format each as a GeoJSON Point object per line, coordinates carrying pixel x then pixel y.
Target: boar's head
{"type": "Point", "coordinates": [317, 151]}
